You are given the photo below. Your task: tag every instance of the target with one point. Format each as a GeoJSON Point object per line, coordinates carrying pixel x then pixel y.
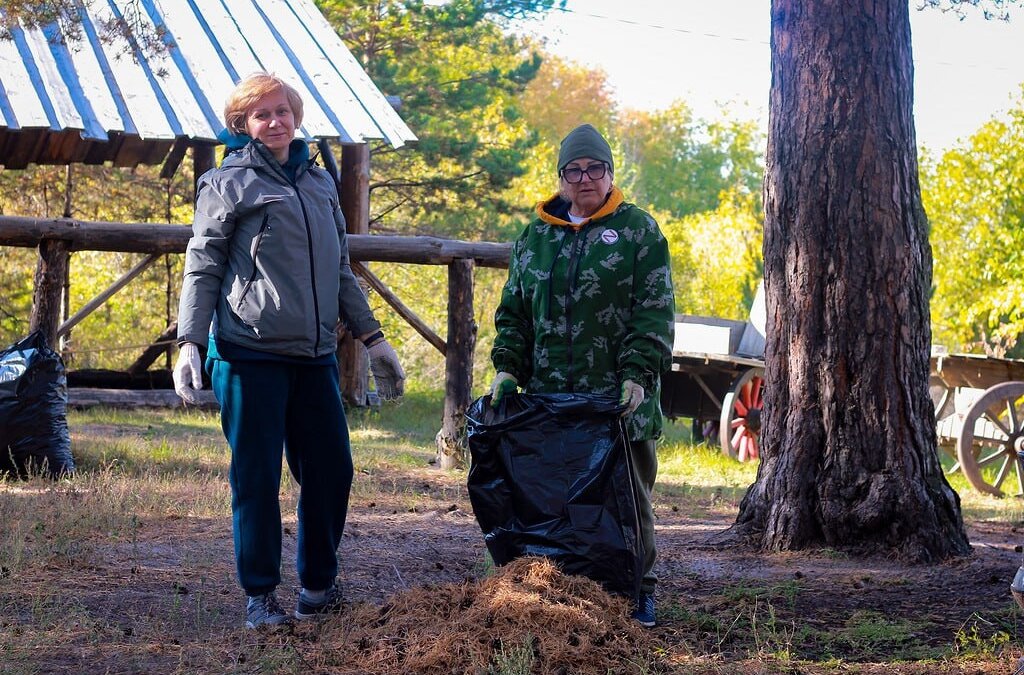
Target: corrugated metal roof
{"type": "Point", "coordinates": [90, 101]}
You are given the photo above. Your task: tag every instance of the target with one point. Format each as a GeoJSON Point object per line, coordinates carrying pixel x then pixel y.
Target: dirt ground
{"type": "Point", "coordinates": [168, 602]}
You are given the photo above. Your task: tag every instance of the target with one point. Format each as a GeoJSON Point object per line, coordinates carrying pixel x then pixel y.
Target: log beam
{"type": "Point", "coordinates": [136, 398]}
{"type": "Point", "coordinates": [163, 342]}
{"type": "Point", "coordinates": [106, 294]}
{"type": "Point", "coordinates": [83, 235]}
{"type": "Point", "coordinates": [418, 324]}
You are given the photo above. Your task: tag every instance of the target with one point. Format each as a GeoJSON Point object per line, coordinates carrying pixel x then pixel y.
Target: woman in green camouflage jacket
{"type": "Point", "coordinates": [588, 307]}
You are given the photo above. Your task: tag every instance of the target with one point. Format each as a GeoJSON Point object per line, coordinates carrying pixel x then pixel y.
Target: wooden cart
{"type": "Point", "coordinates": [979, 401]}
{"type": "Point", "coordinates": [979, 419]}
{"type": "Point", "coordinates": [716, 380]}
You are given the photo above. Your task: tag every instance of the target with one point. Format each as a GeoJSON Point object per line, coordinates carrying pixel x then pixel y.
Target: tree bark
{"type": "Point", "coordinates": [849, 446]}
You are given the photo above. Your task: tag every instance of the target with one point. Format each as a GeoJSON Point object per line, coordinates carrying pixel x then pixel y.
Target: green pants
{"type": "Point", "coordinates": [645, 470]}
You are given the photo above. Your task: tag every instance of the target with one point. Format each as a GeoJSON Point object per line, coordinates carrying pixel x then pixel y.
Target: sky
{"type": "Point", "coordinates": [714, 52]}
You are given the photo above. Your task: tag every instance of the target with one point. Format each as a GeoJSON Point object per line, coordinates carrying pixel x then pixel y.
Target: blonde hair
{"type": "Point", "coordinates": [249, 91]}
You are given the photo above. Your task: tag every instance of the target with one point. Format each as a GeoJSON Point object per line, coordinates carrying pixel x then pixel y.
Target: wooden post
{"type": "Point", "coordinates": [355, 187]}
{"type": "Point", "coordinates": [64, 339]}
{"type": "Point", "coordinates": [51, 269]}
{"type": "Point", "coordinates": [203, 160]}
{"type": "Point", "coordinates": [458, 366]}
{"type": "Point", "coordinates": [354, 197]}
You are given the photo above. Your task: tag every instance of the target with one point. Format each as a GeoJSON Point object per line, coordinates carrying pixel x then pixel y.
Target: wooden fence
{"type": "Point", "coordinates": [56, 238]}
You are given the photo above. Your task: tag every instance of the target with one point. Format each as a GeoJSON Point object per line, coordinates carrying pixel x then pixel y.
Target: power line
{"type": "Point", "coordinates": [733, 38]}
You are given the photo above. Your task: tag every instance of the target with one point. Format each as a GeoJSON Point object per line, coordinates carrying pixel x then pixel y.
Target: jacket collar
{"type": "Point", "coordinates": [555, 210]}
{"type": "Point", "coordinates": [248, 152]}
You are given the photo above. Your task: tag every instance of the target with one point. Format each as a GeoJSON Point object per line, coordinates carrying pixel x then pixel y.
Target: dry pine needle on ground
{"type": "Point", "coordinates": [527, 612]}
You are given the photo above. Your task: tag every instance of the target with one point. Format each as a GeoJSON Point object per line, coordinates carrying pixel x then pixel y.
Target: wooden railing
{"type": "Point", "coordinates": [55, 238]}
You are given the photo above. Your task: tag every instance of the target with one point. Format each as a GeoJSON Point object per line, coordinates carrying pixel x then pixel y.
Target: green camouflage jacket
{"type": "Point", "coordinates": [587, 306]}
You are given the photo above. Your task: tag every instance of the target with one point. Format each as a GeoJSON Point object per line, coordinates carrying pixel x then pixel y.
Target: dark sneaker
{"type": "Point", "coordinates": [310, 609]}
{"type": "Point", "coordinates": [644, 612]}
{"type": "Point", "coordinates": [262, 611]}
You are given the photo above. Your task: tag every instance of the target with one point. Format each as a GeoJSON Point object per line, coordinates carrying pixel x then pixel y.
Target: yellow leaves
{"type": "Point", "coordinates": [716, 258]}
{"type": "Point", "coordinates": [975, 205]}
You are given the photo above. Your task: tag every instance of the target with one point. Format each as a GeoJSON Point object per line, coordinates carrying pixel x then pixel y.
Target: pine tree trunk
{"type": "Point", "coordinates": [849, 446]}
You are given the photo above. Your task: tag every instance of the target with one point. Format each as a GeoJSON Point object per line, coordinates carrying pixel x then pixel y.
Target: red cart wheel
{"type": "Point", "coordinates": [740, 425]}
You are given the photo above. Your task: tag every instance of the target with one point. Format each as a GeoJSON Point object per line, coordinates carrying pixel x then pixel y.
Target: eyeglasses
{"type": "Point", "coordinates": [574, 174]}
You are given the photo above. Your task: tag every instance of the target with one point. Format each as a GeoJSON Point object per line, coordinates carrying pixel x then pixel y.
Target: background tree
{"type": "Point", "coordinates": [716, 257]}
{"type": "Point", "coordinates": [459, 76]}
{"type": "Point", "coordinates": [975, 201]}
{"type": "Point", "coordinates": [682, 165]}
{"type": "Point", "coordinates": [849, 448]}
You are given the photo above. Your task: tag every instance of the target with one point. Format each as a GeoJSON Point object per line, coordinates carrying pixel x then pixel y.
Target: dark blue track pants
{"type": "Point", "coordinates": [266, 406]}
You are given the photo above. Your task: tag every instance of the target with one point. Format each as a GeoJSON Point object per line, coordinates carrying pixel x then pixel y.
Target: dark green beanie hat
{"type": "Point", "coordinates": [584, 141]}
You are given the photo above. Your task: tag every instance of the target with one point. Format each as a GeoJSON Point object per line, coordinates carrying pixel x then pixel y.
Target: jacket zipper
{"type": "Point", "coordinates": [312, 265]}
{"type": "Point", "coordinates": [571, 288]}
{"type": "Point", "coordinates": [255, 254]}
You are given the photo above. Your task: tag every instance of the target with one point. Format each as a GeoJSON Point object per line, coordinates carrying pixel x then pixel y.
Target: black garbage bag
{"type": "Point", "coordinates": [550, 475]}
{"type": "Point", "coordinates": [33, 410]}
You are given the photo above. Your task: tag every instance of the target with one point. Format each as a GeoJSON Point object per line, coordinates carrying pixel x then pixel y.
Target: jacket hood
{"type": "Point", "coordinates": [555, 210]}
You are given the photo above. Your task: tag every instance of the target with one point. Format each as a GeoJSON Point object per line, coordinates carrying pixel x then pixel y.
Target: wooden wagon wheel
{"type": "Point", "coordinates": [740, 424]}
{"type": "Point", "coordinates": [992, 434]}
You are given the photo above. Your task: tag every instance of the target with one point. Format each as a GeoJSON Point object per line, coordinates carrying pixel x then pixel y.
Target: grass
{"type": "Point", "coordinates": [149, 481]}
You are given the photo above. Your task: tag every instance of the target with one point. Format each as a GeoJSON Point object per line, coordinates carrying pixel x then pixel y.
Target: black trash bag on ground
{"type": "Point", "coordinates": [550, 475]}
{"type": "Point", "coordinates": [33, 410]}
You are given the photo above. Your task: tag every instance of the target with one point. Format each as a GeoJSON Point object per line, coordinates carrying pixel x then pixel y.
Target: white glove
{"type": "Point", "coordinates": [504, 383]}
{"type": "Point", "coordinates": [632, 396]}
{"type": "Point", "coordinates": [387, 371]}
{"type": "Point", "coordinates": [188, 373]}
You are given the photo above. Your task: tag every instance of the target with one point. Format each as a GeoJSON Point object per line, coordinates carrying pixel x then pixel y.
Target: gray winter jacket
{"type": "Point", "coordinates": [268, 262]}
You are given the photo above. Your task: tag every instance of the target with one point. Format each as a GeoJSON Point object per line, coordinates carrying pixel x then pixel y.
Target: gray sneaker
{"type": "Point", "coordinates": [330, 604]}
{"type": "Point", "coordinates": [263, 611]}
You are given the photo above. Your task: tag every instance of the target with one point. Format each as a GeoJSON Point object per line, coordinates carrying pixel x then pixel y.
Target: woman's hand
{"type": "Point", "coordinates": [632, 396]}
{"type": "Point", "coordinates": [504, 383]}
{"type": "Point", "coordinates": [387, 371]}
{"type": "Point", "coordinates": [188, 373]}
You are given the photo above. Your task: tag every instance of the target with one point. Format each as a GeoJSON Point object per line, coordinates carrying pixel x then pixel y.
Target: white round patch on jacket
{"type": "Point", "coordinates": [609, 236]}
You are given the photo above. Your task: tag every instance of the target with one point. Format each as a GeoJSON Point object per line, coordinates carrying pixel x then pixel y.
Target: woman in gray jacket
{"type": "Point", "coordinates": [267, 279]}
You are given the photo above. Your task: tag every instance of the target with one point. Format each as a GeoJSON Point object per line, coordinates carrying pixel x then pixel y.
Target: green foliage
{"type": "Point", "coordinates": [982, 637]}
{"type": "Point", "coordinates": [458, 76]}
{"type": "Point", "coordinates": [114, 335]}
{"type": "Point", "coordinates": [513, 657]}
{"type": "Point", "coordinates": [489, 112]}
{"type": "Point", "coordinates": [975, 203]}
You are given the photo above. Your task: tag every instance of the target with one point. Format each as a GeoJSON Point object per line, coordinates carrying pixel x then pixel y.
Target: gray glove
{"type": "Point", "coordinates": [387, 371]}
{"type": "Point", "coordinates": [188, 373]}
{"type": "Point", "coordinates": [632, 396]}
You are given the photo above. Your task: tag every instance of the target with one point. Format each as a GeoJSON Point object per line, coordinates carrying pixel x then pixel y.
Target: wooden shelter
{"type": "Point", "coordinates": [67, 99]}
